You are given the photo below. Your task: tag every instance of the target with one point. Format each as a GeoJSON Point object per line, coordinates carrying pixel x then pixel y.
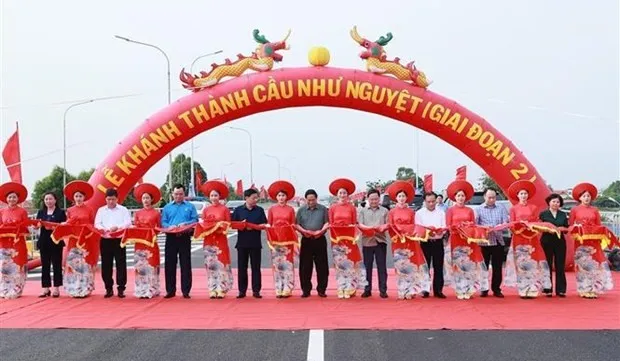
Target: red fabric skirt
{"type": "Point", "coordinates": [346, 236]}
{"type": "Point", "coordinates": [18, 244]}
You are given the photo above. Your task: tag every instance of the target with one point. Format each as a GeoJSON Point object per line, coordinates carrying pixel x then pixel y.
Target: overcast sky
{"type": "Point", "coordinates": [544, 73]}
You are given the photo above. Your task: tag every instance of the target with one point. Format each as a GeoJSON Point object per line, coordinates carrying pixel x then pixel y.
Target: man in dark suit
{"type": "Point", "coordinates": [249, 245]}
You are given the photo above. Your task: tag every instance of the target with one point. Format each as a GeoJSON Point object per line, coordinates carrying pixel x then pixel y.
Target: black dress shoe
{"type": "Point", "coordinates": [322, 294]}
{"type": "Point", "coordinates": [305, 295]}
{"type": "Point", "coordinates": [366, 294]}
{"type": "Point", "coordinates": [484, 293]}
{"type": "Point", "coordinates": [108, 294]}
{"type": "Point", "coordinates": [498, 294]}
{"type": "Point", "coordinates": [169, 295]}
{"type": "Point", "coordinates": [383, 295]}
{"type": "Point", "coordinates": [121, 294]}
{"type": "Point", "coordinates": [256, 295]}
{"type": "Point", "coordinates": [425, 294]}
{"type": "Point", "coordinates": [45, 294]}
{"type": "Point", "coordinates": [563, 295]}
{"type": "Point", "coordinates": [439, 295]}
{"type": "Point", "coordinates": [186, 295]}
{"type": "Point", "coordinates": [241, 295]}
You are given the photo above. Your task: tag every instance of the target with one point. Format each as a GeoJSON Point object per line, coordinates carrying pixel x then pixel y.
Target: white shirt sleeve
{"type": "Point", "coordinates": [99, 219]}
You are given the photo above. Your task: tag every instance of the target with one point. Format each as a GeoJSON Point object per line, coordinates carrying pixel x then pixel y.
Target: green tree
{"type": "Point", "coordinates": [378, 184]}
{"type": "Point", "coordinates": [85, 174]}
{"type": "Point", "coordinates": [485, 182]}
{"type": "Point", "coordinates": [231, 193]}
{"type": "Point", "coordinates": [612, 191]}
{"type": "Point", "coordinates": [402, 173]}
{"type": "Point", "coordinates": [50, 183]}
{"type": "Point", "coordinates": [406, 173]}
{"type": "Point", "coordinates": [181, 169]}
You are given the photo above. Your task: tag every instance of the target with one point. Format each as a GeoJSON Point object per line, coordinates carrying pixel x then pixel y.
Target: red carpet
{"type": "Point", "coordinates": [312, 313]}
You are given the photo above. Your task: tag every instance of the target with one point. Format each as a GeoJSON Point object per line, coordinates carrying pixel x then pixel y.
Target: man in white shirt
{"type": "Point", "coordinates": [111, 219]}
{"type": "Point", "coordinates": [432, 216]}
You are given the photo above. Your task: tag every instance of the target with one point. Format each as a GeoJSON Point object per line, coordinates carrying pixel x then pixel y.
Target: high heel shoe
{"type": "Point", "coordinates": [45, 294]}
{"type": "Point", "coordinates": [56, 294]}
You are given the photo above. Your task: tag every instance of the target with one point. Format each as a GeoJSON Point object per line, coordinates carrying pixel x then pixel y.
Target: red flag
{"type": "Point", "coordinates": [239, 190]}
{"type": "Point", "coordinates": [12, 156]}
{"type": "Point", "coordinates": [263, 193]}
{"type": "Point", "coordinates": [253, 187]}
{"type": "Point", "coordinates": [461, 173]}
{"type": "Point", "coordinates": [225, 180]}
{"type": "Point", "coordinates": [428, 183]}
{"type": "Point", "coordinates": [198, 180]}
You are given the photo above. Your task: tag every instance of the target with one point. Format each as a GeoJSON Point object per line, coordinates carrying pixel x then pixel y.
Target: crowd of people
{"type": "Point", "coordinates": [419, 240]}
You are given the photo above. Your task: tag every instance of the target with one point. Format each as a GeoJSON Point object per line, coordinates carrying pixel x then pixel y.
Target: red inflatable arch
{"type": "Point", "coordinates": [312, 86]}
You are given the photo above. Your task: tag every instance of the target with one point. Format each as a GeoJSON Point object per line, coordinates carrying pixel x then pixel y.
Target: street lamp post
{"type": "Point", "coordinates": [222, 170]}
{"type": "Point", "coordinates": [191, 67]}
{"type": "Point", "coordinates": [169, 96]}
{"type": "Point", "coordinates": [290, 174]}
{"type": "Point", "coordinates": [64, 145]}
{"type": "Point", "coordinates": [278, 160]}
{"type": "Point", "coordinates": [192, 187]}
{"type": "Point", "coordinates": [250, 138]}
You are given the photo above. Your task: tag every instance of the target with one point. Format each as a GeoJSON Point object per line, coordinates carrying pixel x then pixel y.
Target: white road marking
{"type": "Point", "coordinates": [316, 345]}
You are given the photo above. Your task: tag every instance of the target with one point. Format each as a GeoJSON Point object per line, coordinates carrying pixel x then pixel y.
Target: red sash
{"type": "Point", "coordinates": [13, 237]}
{"type": "Point", "coordinates": [139, 235]}
{"type": "Point", "coordinates": [599, 233]}
{"type": "Point", "coordinates": [86, 240]}
{"type": "Point", "coordinates": [282, 236]}
{"type": "Point", "coordinates": [401, 233]}
{"type": "Point", "coordinates": [348, 236]}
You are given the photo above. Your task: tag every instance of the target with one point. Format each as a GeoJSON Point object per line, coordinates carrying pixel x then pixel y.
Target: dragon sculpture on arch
{"type": "Point", "coordinates": [377, 63]}
{"type": "Point", "coordinates": [262, 59]}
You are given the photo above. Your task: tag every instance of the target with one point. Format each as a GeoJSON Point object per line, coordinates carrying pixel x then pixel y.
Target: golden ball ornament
{"type": "Point", "coordinates": [318, 56]}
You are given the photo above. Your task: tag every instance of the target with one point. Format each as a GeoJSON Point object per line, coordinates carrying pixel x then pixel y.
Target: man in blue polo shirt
{"type": "Point", "coordinates": [178, 213]}
{"type": "Point", "coordinates": [249, 245]}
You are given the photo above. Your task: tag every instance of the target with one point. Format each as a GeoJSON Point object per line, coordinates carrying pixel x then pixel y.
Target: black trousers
{"type": "Point", "coordinates": [313, 253]}
{"type": "Point", "coordinates": [178, 244]}
{"type": "Point", "coordinates": [434, 253]}
{"type": "Point", "coordinates": [555, 252]}
{"type": "Point", "coordinates": [245, 256]}
{"type": "Point", "coordinates": [111, 252]}
{"type": "Point", "coordinates": [495, 256]}
{"type": "Point", "coordinates": [51, 256]}
{"type": "Point", "coordinates": [376, 253]}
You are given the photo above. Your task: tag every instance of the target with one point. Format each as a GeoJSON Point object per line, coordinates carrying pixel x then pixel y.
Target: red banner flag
{"type": "Point", "coordinates": [461, 173]}
{"type": "Point", "coordinates": [263, 193]}
{"type": "Point", "coordinates": [239, 189]}
{"type": "Point", "coordinates": [12, 156]}
{"type": "Point", "coordinates": [428, 183]}
{"type": "Point", "coordinates": [197, 181]}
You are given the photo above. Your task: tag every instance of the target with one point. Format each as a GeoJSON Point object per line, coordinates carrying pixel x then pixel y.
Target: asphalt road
{"type": "Point", "coordinates": [140, 345]}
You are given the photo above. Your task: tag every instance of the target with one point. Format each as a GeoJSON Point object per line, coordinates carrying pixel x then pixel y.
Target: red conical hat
{"type": "Point", "coordinates": [79, 186]}
{"type": "Point", "coordinates": [518, 186]}
{"type": "Point", "coordinates": [281, 186]}
{"type": "Point", "coordinates": [149, 189]}
{"type": "Point", "coordinates": [215, 185]}
{"type": "Point", "coordinates": [13, 187]}
{"type": "Point", "coordinates": [581, 188]}
{"type": "Point", "coordinates": [401, 186]}
{"type": "Point", "coordinates": [460, 185]}
{"type": "Point", "coordinates": [340, 183]}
